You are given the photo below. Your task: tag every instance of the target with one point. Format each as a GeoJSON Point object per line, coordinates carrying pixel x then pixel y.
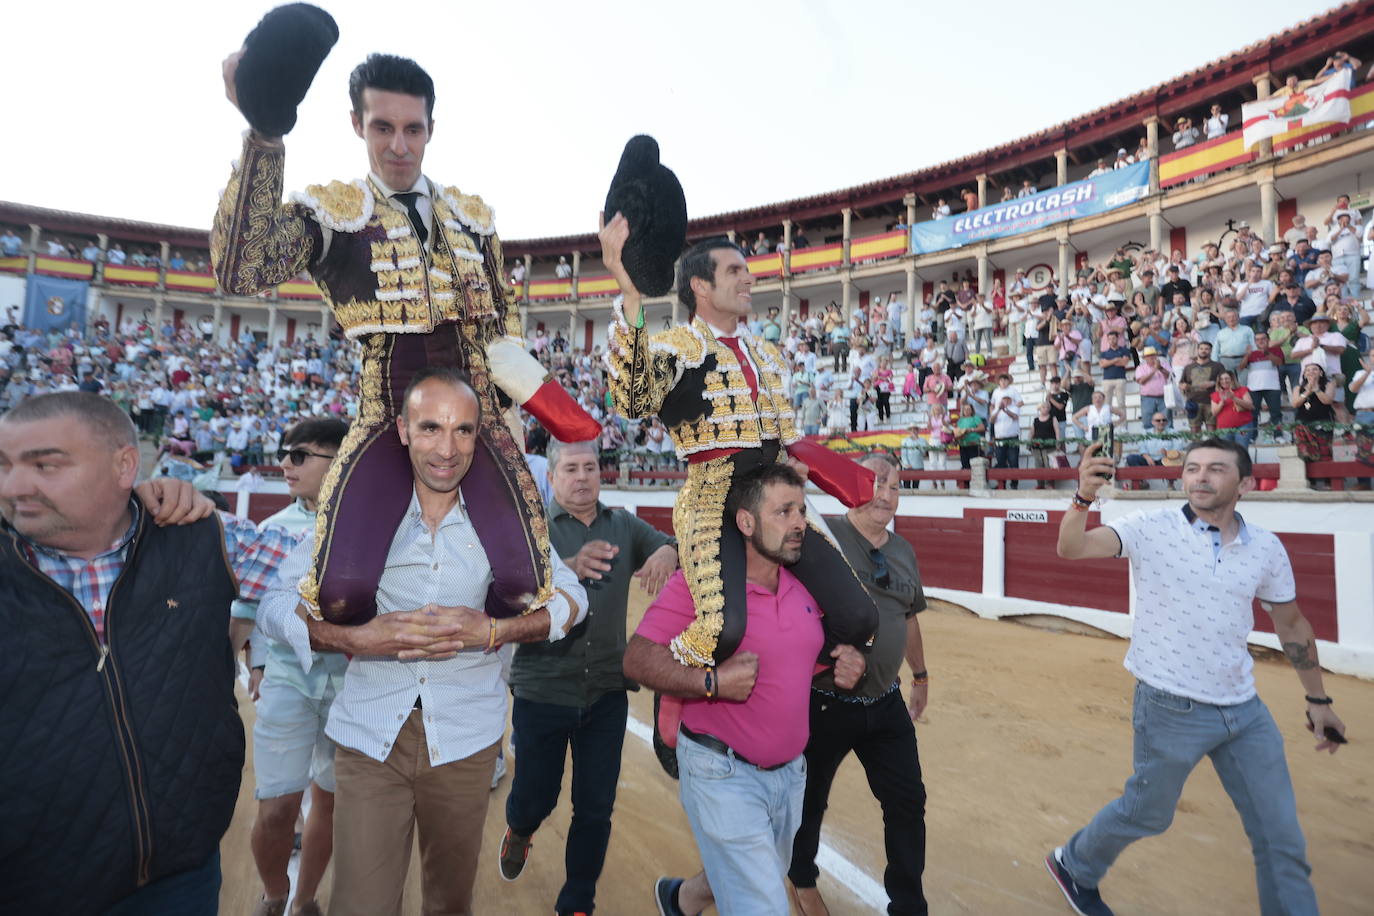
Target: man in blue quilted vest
{"type": "Point", "coordinates": [121, 745]}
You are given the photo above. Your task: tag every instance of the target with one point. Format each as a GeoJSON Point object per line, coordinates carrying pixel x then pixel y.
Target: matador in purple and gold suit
{"type": "Point", "coordinates": [417, 284]}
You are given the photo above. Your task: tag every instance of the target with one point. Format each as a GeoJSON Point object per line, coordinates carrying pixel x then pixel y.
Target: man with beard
{"type": "Point", "coordinates": [1197, 572]}
{"type": "Point", "coordinates": [745, 722]}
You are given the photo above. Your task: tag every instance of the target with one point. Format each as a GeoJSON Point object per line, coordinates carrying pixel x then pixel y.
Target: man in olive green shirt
{"type": "Point", "coordinates": [872, 720]}
{"type": "Point", "coordinates": [573, 692]}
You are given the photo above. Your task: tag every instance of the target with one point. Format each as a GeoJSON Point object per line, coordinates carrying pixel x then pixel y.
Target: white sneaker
{"type": "Point", "coordinates": [499, 773]}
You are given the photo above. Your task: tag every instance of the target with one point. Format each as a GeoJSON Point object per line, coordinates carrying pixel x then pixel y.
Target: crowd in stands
{"type": "Point", "coordinates": [197, 399]}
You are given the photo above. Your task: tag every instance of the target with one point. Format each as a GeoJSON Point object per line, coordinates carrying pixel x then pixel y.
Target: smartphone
{"type": "Point", "coordinates": [1106, 437]}
{"type": "Point", "coordinates": [1329, 733]}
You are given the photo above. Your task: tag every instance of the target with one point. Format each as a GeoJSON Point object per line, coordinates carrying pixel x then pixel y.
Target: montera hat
{"type": "Point", "coordinates": [280, 58]}
{"type": "Point", "coordinates": [649, 196]}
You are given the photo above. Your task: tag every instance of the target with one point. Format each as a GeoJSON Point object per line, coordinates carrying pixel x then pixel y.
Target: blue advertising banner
{"type": "Point", "coordinates": [1044, 208]}
{"type": "Point", "coordinates": [54, 302]}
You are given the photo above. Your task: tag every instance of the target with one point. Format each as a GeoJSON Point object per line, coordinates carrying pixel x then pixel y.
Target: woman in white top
{"type": "Point", "coordinates": [1097, 414]}
{"type": "Point", "coordinates": [982, 316]}
{"type": "Point", "coordinates": [939, 433]}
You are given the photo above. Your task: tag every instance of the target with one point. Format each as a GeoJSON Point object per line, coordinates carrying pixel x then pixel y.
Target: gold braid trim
{"type": "Point", "coordinates": [698, 515]}
{"type": "Point", "coordinates": [256, 242]}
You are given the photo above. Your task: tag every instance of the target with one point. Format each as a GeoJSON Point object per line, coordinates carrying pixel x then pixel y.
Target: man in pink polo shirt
{"type": "Point", "coordinates": [745, 723]}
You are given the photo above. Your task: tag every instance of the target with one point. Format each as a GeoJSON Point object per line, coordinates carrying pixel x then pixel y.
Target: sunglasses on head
{"type": "Point", "coordinates": [298, 455]}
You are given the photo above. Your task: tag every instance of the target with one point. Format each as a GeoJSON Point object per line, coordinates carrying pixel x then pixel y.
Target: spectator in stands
{"type": "Point", "coordinates": [941, 210]}
{"type": "Point", "coordinates": [1234, 340]}
{"type": "Point", "coordinates": [1297, 302]}
{"type": "Point", "coordinates": [1027, 188]}
{"type": "Point", "coordinates": [1233, 411]}
{"type": "Point", "coordinates": [1152, 375]}
{"type": "Point", "coordinates": [1322, 345]}
{"type": "Point", "coordinates": [1262, 379]}
{"type": "Point", "coordinates": [1198, 382]}
{"type": "Point", "coordinates": [1254, 295]}
{"type": "Point", "coordinates": [1344, 241]}
{"type": "Point", "coordinates": [1320, 277]}
{"type": "Point", "coordinates": [1158, 449]}
{"type": "Point", "coordinates": [811, 413]}
{"type": "Point", "coordinates": [970, 199]}
{"type": "Point", "coordinates": [1363, 406]}
{"type": "Point", "coordinates": [1101, 169]}
{"type": "Point", "coordinates": [1067, 341]}
{"type": "Point", "coordinates": [1044, 437]}
{"type": "Point", "coordinates": [1185, 134]}
{"type": "Point", "coordinates": [1338, 62]}
{"type": "Point", "coordinates": [1096, 415]}
{"type": "Point", "coordinates": [762, 245]}
{"type": "Point", "coordinates": [800, 241]}
{"type": "Point", "coordinates": [981, 320]}
{"type": "Point", "coordinates": [11, 245]}
{"type": "Point", "coordinates": [1114, 360]}
{"type": "Point", "coordinates": [956, 353]}
{"type": "Point", "coordinates": [1313, 408]}
{"type": "Point", "coordinates": [563, 270]}
{"type": "Point", "coordinates": [939, 437]}
{"type": "Point", "coordinates": [968, 434]}
{"type": "Point", "coordinates": [1175, 283]}
{"type": "Point", "coordinates": [839, 341]}
{"type": "Point", "coordinates": [913, 454]}
{"type": "Point", "coordinates": [1006, 432]}
{"type": "Point", "coordinates": [1122, 160]}
{"type": "Point", "coordinates": [882, 386]}
{"type": "Point", "coordinates": [1215, 125]}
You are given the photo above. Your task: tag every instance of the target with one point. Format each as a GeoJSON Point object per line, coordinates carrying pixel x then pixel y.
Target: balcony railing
{"type": "Point", "coordinates": [1228, 151]}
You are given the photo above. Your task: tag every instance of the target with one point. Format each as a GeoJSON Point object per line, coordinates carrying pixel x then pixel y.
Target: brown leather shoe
{"type": "Point", "coordinates": [807, 900]}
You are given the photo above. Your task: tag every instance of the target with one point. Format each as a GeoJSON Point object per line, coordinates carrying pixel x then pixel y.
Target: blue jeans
{"type": "Point", "coordinates": [543, 732]}
{"type": "Point", "coordinates": [1172, 734]}
{"type": "Point", "coordinates": [1241, 435]}
{"type": "Point", "coordinates": [1149, 406]}
{"type": "Point", "coordinates": [190, 893]}
{"type": "Point", "coordinates": [1273, 400]}
{"type": "Point", "coordinates": [1290, 374]}
{"type": "Point", "coordinates": [743, 819]}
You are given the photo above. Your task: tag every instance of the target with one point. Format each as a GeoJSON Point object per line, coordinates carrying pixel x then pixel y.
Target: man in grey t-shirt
{"type": "Point", "coordinates": [872, 720]}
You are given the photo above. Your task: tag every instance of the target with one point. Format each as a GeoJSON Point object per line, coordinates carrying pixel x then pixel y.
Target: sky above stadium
{"type": "Point", "coordinates": [117, 108]}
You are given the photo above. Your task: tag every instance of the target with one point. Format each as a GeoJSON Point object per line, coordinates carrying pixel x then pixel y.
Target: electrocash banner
{"type": "Point", "coordinates": [1116, 188]}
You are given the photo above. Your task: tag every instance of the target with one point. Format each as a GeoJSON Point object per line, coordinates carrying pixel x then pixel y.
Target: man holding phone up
{"type": "Point", "coordinates": [1197, 571]}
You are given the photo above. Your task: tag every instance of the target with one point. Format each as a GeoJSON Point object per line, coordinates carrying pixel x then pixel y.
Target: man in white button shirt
{"type": "Point", "coordinates": [1197, 572]}
{"type": "Point", "coordinates": [423, 706]}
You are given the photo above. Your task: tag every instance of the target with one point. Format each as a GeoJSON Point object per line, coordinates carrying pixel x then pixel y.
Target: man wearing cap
{"type": "Point", "coordinates": [1122, 160]}
{"type": "Point", "coordinates": [414, 272]}
{"type": "Point", "coordinates": [1175, 284]}
{"type": "Point", "coordinates": [1152, 375]}
{"type": "Point", "coordinates": [1185, 134]}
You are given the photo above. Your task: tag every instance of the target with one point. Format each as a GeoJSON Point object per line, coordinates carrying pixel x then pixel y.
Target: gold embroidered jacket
{"type": "Point", "coordinates": [374, 272]}
{"type": "Point", "coordinates": [695, 385]}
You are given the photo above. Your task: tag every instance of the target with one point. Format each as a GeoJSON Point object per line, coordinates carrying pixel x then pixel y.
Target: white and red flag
{"type": "Point", "coordinates": [1325, 102]}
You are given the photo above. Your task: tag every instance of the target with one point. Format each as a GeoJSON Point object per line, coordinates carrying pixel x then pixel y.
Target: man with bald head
{"type": "Point", "coordinates": [122, 743]}
{"type": "Point", "coordinates": [423, 706]}
{"type": "Point", "coordinates": [572, 692]}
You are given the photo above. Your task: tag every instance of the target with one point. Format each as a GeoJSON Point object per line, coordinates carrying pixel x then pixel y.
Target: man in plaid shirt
{"type": "Point", "coordinates": [120, 741]}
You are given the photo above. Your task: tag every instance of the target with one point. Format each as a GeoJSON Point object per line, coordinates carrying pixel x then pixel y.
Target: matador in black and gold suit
{"type": "Point", "coordinates": [725, 421]}
{"type": "Point", "coordinates": [413, 293]}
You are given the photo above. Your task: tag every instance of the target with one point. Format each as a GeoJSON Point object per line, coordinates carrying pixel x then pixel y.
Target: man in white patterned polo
{"type": "Point", "coordinates": [423, 706]}
{"type": "Point", "coordinates": [1197, 571]}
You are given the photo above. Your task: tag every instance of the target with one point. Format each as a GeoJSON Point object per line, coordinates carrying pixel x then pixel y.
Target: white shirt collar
{"type": "Point", "coordinates": [741, 331]}
{"type": "Point", "coordinates": [421, 186]}
{"type": "Point", "coordinates": [457, 514]}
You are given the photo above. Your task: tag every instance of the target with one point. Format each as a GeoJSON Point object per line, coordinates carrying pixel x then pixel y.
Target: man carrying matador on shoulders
{"type": "Point", "coordinates": [722, 395]}
{"type": "Point", "coordinates": [413, 271]}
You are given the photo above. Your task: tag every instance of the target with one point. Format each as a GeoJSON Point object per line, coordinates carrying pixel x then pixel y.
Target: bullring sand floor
{"type": "Point", "coordinates": [1028, 735]}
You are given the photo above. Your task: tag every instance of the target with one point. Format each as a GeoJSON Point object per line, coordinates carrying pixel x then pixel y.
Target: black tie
{"type": "Point", "coordinates": [408, 198]}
